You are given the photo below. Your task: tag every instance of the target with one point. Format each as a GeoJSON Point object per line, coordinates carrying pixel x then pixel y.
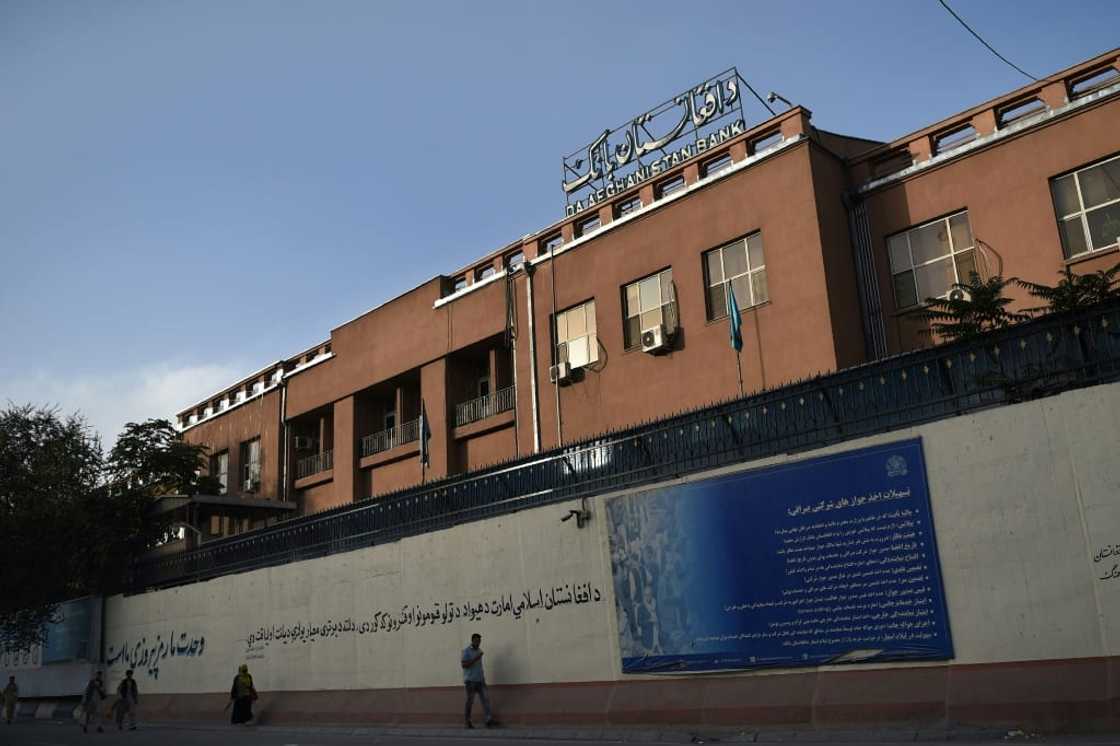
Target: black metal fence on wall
{"type": "Point", "coordinates": [1028, 361]}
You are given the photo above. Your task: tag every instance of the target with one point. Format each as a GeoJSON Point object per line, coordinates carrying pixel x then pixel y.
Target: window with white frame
{"type": "Point", "coordinates": [627, 206]}
{"type": "Point", "coordinates": [1087, 203]}
{"type": "Point", "coordinates": [669, 186]}
{"type": "Point", "coordinates": [926, 260]}
{"type": "Point", "coordinates": [740, 264]}
{"type": "Point", "coordinates": [219, 469]}
{"type": "Point", "coordinates": [552, 243]}
{"type": "Point", "coordinates": [484, 273]}
{"type": "Point", "coordinates": [574, 331]}
{"type": "Point", "coordinates": [717, 165]}
{"type": "Point", "coordinates": [251, 465]}
{"type": "Point", "coordinates": [646, 304]}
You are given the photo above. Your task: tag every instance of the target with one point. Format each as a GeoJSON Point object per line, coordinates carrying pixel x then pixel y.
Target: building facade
{"type": "Point", "coordinates": [617, 314]}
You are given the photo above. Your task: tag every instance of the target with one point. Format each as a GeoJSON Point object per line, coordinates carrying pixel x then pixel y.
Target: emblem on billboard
{"type": "Point", "coordinates": [896, 466]}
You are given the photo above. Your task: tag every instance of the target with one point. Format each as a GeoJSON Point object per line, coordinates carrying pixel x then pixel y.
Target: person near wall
{"type": "Point", "coordinates": [91, 704]}
{"type": "Point", "coordinates": [11, 699]}
{"type": "Point", "coordinates": [128, 698]}
{"type": "Point", "coordinates": [475, 681]}
{"type": "Point", "coordinates": [242, 695]}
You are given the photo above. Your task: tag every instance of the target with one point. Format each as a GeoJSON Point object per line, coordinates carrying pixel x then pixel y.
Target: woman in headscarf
{"type": "Point", "coordinates": [242, 695]}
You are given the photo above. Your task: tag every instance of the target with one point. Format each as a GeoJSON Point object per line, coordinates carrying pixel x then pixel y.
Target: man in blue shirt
{"type": "Point", "coordinates": [475, 680]}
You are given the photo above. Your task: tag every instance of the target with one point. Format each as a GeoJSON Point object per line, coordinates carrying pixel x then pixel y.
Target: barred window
{"type": "Point", "coordinates": [928, 259]}
{"type": "Point", "coordinates": [1087, 205]}
{"type": "Point", "coordinates": [648, 303]}
{"type": "Point", "coordinates": [740, 264]}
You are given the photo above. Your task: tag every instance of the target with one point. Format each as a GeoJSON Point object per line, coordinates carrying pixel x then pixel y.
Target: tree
{"type": "Point", "coordinates": [972, 308]}
{"type": "Point", "coordinates": [50, 470]}
{"type": "Point", "coordinates": [153, 457]}
{"type": "Point", "coordinates": [70, 520]}
{"type": "Point", "coordinates": [1074, 291]}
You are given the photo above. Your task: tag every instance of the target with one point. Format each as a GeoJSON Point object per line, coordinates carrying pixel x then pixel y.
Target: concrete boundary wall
{"type": "Point", "coordinates": [1025, 508]}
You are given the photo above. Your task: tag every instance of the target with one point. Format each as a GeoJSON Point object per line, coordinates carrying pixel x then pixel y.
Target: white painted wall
{"type": "Point", "coordinates": [1024, 499]}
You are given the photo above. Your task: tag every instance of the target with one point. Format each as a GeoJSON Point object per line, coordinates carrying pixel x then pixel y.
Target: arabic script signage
{"type": "Point", "coordinates": [688, 125]}
{"type": "Point", "coordinates": [827, 560]}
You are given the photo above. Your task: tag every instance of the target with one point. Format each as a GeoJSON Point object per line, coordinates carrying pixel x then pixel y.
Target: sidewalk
{"type": "Point", "coordinates": [668, 734]}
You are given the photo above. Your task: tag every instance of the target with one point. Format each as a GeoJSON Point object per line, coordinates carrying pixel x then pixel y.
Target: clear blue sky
{"type": "Point", "coordinates": [190, 190]}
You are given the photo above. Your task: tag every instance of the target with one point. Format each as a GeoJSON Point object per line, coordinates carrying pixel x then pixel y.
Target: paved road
{"type": "Point", "coordinates": [53, 733]}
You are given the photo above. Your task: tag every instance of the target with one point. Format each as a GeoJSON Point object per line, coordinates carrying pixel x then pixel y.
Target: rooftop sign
{"type": "Point", "coordinates": [702, 117]}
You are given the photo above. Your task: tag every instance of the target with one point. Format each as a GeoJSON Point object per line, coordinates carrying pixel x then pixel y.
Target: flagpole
{"type": "Point", "coordinates": [739, 370]}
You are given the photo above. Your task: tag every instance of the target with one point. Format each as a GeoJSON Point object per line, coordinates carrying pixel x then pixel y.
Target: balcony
{"type": "Point", "coordinates": [320, 462]}
{"type": "Point", "coordinates": [406, 432]}
{"type": "Point", "coordinates": [484, 406]}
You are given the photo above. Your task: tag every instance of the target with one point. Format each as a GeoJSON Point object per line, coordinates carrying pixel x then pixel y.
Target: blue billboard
{"type": "Point", "coordinates": [826, 560]}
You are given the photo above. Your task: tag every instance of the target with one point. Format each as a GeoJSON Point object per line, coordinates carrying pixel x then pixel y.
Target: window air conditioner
{"type": "Point", "coordinates": [655, 340]}
{"type": "Point", "coordinates": [560, 373]}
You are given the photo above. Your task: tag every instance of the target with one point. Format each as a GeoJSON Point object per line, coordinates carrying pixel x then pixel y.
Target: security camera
{"type": "Point", "coordinates": [775, 96]}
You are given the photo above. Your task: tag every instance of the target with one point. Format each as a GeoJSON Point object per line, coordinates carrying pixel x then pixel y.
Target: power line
{"type": "Point", "coordinates": [981, 39]}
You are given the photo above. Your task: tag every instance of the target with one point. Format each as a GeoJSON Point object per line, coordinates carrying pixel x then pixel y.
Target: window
{"type": "Point", "coordinates": [740, 264]}
{"type": "Point", "coordinates": [484, 272]}
{"type": "Point", "coordinates": [215, 525]}
{"type": "Point", "coordinates": [515, 260]}
{"type": "Point", "coordinates": [482, 388]}
{"type": "Point", "coordinates": [576, 341]}
{"type": "Point", "coordinates": [648, 303]}
{"type": "Point", "coordinates": [458, 283]}
{"type": "Point", "coordinates": [954, 139]}
{"type": "Point", "coordinates": [927, 260]}
{"type": "Point", "coordinates": [586, 226]}
{"type": "Point", "coordinates": [552, 243]}
{"type": "Point", "coordinates": [667, 187]}
{"type": "Point", "coordinates": [1094, 81]}
{"type": "Point", "coordinates": [627, 206]}
{"type": "Point", "coordinates": [717, 165]}
{"type": "Point", "coordinates": [219, 469]}
{"type": "Point", "coordinates": [251, 465]}
{"type": "Point", "coordinates": [1020, 110]}
{"type": "Point", "coordinates": [258, 387]}
{"type": "Point", "coordinates": [390, 420]}
{"type": "Point", "coordinates": [1087, 204]}
{"type": "Point", "coordinates": [764, 142]}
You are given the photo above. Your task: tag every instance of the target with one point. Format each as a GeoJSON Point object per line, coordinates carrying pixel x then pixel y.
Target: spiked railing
{"type": "Point", "coordinates": [1035, 359]}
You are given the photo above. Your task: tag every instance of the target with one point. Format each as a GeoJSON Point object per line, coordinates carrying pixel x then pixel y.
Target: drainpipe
{"type": "Point", "coordinates": [556, 385]}
{"type": "Point", "coordinates": [511, 324]}
{"type": "Point", "coordinates": [529, 269]}
{"type": "Point", "coordinates": [284, 435]}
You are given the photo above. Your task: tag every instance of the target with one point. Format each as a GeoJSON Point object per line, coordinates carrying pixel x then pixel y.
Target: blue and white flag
{"type": "Point", "coordinates": [735, 321]}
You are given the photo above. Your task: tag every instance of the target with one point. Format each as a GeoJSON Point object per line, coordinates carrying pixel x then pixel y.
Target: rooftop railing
{"type": "Point", "coordinates": [320, 462]}
{"type": "Point", "coordinates": [1028, 361]}
{"type": "Point", "coordinates": [406, 432]}
{"type": "Point", "coordinates": [484, 406]}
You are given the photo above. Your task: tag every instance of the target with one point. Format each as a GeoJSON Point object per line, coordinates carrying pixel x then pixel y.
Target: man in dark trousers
{"type": "Point", "coordinates": [91, 703]}
{"type": "Point", "coordinates": [475, 680]}
{"type": "Point", "coordinates": [129, 698]}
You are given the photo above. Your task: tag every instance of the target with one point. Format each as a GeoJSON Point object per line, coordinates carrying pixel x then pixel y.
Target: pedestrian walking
{"type": "Point", "coordinates": [91, 704]}
{"type": "Point", "coordinates": [242, 695]}
{"type": "Point", "coordinates": [475, 681]}
{"type": "Point", "coordinates": [11, 699]}
{"type": "Point", "coordinates": [128, 697]}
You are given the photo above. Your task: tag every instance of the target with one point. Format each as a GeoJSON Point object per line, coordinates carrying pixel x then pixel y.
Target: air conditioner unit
{"type": "Point", "coordinates": [960, 294]}
{"type": "Point", "coordinates": [655, 340]}
{"type": "Point", "coordinates": [302, 443]}
{"type": "Point", "coordinates": [560, 373]}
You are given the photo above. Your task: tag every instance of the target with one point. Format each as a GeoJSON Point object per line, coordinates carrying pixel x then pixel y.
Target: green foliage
{"type": "Point", "coordinates": [152, 457]}
{"type": "Point", "coordinates": [1074, 291]}
{"type": "Point", "coordinates": [70, 520]}
{"type": "Point", "coordinates": [981, 309]}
